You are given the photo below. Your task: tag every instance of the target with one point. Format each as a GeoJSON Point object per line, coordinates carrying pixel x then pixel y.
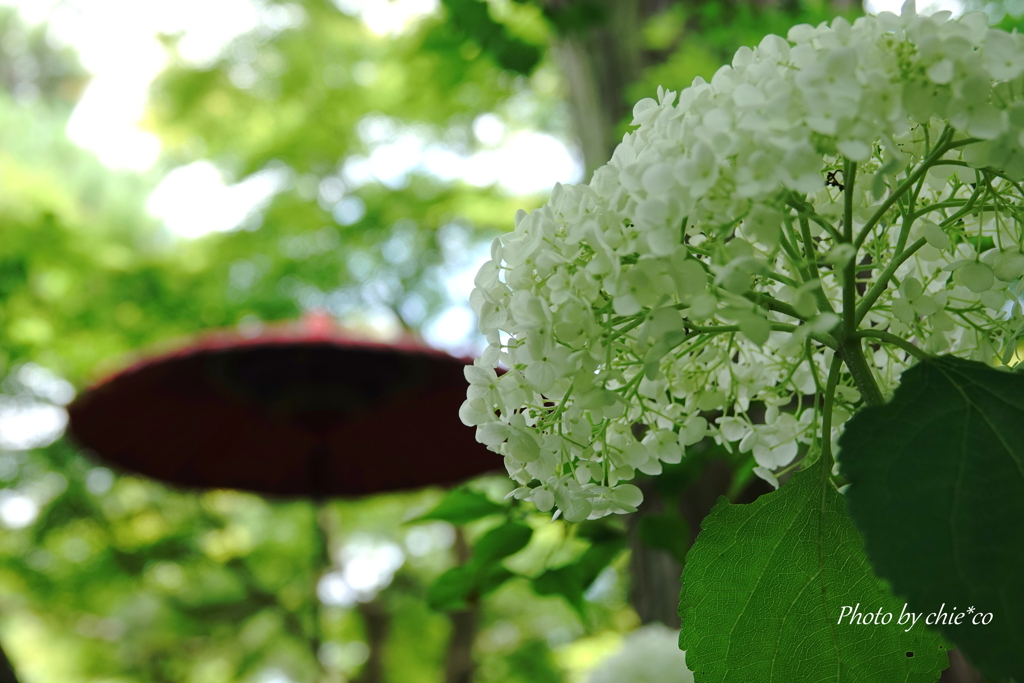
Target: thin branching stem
{"type": "Point", "coordinates": [942, 146]}
{"type": "Point", "coordinates": [891, 338]}
{"type": "Point", "coordinates": [827, 461]}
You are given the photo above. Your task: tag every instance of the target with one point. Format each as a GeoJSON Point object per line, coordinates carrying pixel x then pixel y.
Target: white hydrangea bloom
{"type": "Point", "coordinates": [649, 655]}
{"type": "Point", "coordinates": [700, 270]}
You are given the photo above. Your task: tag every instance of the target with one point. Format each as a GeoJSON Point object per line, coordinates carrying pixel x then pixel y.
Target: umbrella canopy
{"type": "Point", "coordinates": [307, 413]}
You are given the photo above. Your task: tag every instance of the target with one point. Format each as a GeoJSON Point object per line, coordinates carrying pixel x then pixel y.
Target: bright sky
{"type": "Point", "coordinates": [117, 42]}
{"type": "Point", "coordinates": [923, 6]}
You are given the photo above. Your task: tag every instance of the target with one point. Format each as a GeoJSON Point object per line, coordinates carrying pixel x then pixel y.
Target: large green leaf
{"type": "Point", "coordinates": [764, 588]}
{"type": "Point", "coordinates": [937, 487]}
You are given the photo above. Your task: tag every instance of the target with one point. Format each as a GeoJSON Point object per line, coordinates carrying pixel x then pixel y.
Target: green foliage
{"type": "Point", "coordinates": [33, 69]}
{"type": "Point", "coordinates": [173, 579]}
{"type": "Point", "coordinates": [450, 590]}
{"type": "Point", "coordinates": [313, 85]}
{"type": "Point", "coordinates": [148, 584]}
{"type": "Point", "coordinates": [574, 18]}
{"type": "Point", "coordinates": [936, 486]}
{"type": "Point", "coordinates": [764, 587]}
{"type": "Point", "coordinates": [323, 95]}
{"type": "Point", "coordinates": [697, 39]}
{"type": "Point", "coordinates": [471, 18]}
{"type": "Point", "coordinates": [85, 276]}
{"type": "Point", "coordinates": [144, 583]}
{"type": "Point", "coordinates": [459, 586]}
{"type": "Point", "coordinates": [417, 640]}
{"type": "Point", "coordinates": [461, 506]}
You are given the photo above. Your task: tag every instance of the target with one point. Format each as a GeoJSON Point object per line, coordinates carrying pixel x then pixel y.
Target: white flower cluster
{"type": "Point", "coordinates": [695, 286]}
{"type": "Point", "coordinates": [649, 655]}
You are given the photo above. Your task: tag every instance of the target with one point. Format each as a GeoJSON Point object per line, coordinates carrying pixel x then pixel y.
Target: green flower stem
{"type": "Point", "coordinates": [791, 250]}
{"type": "Point", "coordinates": [783, 279]}
{"type": "Point", "coordinates": [772, 304]}
{"type": "Point", "coordinates": [823, 339]}
{"type": "Point", "coordinates": [852, 354]}
{"type": "Point", "coordinates": [827, 461]}
{"type": "Point", "coordinates": [942, 146]}
{"type": "Point", "coordinates": [894, 340]}
{"type": "Point", "coordinates": [804, 210]}
{"type": "Point", "coordinates": [906, 223]}
{"type": "Point", "coordinates": [824, 305]}
{"type": "Point", "coordinates": [798, 263]}
{"type": "Point", "coordinates": [883, 280]}
{"type": "Point", "coordinates": [955, 204]}
{"type": "Point", "coordinates": [810, 251]}
{"type": "Point", "coordinates": [850, 350]}
{"type": "Point", "coordinates": [966, 208]}
{"type": "Point", "coordinates": [557, 412]}
{"type": "Point", "coordinates": [850, 269]}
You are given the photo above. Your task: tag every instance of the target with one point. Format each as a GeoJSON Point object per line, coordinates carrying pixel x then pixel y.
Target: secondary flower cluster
{"type": "Point", "coordinates": [648, 655]}
{"type": "Point", "coordinates": [693, 288]}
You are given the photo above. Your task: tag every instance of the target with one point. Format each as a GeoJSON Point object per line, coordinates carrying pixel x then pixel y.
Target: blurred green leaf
{"type": "Point", "coordinates": [472, 18]}
{"type": "Point", "coordinates": [572, 580]}
{"type": "Point", "coordinates": [483, 572]}
{"type": "Point", "coordinates": [492, 577]}
{"type": "Point", "coordinates": [500, 542]}
{"type": "Point", "coordinates": [461, 506]}
{"type": "Point", "coordinates": [450, 590]}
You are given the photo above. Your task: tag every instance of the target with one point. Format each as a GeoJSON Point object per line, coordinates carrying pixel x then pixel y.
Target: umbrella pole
{"type": "Point", "coordinates": [323, 523]}
{"type": "Point", "coordinates": [458, 666]}
{"type": "Point", "coordinates": [459, 659]}
{"type": "Point", "coordinates": [376, 619]}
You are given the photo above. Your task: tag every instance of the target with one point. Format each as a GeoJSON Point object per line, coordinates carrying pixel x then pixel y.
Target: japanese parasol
{"type": "Point", "coordinates": [307, 410]}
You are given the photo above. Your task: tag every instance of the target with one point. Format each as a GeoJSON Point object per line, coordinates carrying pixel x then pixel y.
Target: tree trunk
{"type": "Point", "coordinates": [655, 574]}
{"type": "Point", "coordinates": [7, 674]}
{"type": "Point", "coordinates": [458, 666]}
{"type": "Point", "coordinates": [376, 621]}
{"type": "Point", "coordinates": [599, 63]}
{"type": "Point", "coordinates": [960, 670]}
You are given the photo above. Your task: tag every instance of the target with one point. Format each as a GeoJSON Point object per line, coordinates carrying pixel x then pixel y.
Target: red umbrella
{"type": "Point", "coordinates": [312, 412]}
